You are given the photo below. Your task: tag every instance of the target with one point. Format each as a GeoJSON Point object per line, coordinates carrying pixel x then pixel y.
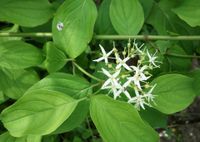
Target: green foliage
{"type": "Point", "coordinates": [77, 32]}
{"type": "Point", "coordinates": [51, 90]}
{"type": "Point", "coordinates": [118, 121]}
{"type": "Point", "coordinates": [174, 93]}
{"type": "Point", "coordinates": [19, 55]}
{"type": "Point", "coordinates": [55, 58]}
{"type": "Point", "coordinates": [189, 11]}
{"type": "Point", "coordinates": [74, 86]}
{"type": "Point", "coordinates": [43, 107]}
{"type": "Point", "coordinates": [14, 83]}
{"type": "Point", "coordinates": [127, 16]}
{"type": "Point", "coordinates": [27, 13]}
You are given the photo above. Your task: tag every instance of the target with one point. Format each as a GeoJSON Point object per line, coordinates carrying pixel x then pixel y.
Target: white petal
{"type": "Point", "coordinates": [126, 67]}
{"type": "Point", "coordinates": [102, 49]}
{"type": "Point", "coordinates": [106, 83]}
{"type": "Point", "coordinates": [99, 59]}
{"type": "Point", "coordinates": [127, 94]}
{"type": "Point", "coordinates": [116, 73]}
{"type": "Point", "coordinates": [106, 72]}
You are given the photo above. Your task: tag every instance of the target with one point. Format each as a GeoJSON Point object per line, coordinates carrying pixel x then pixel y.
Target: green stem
{"type": "Point", "coordinates": [86, 73]}
{"type": "Point", "coordinates": [109, 37]}
{"type": "Point", "coordinates": [9, 34]}
{"type": "Point", "coordinates": [182, 56]}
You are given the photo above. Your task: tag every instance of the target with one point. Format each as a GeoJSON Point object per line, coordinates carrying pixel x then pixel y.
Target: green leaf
{"type": "Point", "coordinates": [178, 63]}
{"type": "Point", "coordinates": [14, 83]}
{"type": "Point", "coordinates": [28, 13]}
{"type": "Point", "coordinates": [55, 58]}
{"type": "Point", "coordinates": [75, 119]}
{"type": "Point", "coordinates": [6, 137]}
{"type": "Point", "coordinates": [127, 16]}
{"type": "Point", "coordinates": [161, 11]}
{"type": "Point", "coordinates": [189, 11]}
{"type": "Point", "coordinates": [174, 92]}
{"type": "Point", "coordinates": [155, 118]}
{"type": "Point", "coordinates": [119, 121]}
{"type": "Point", "coordinates": [38, 112]}
{"type": "Point", "coordinates": [72, 85]}
{"type": "Point", "coordinates": [147, 6]}
{"type": "Point", "coordinates": [103, 24]}
{"type": "Point", "coordinates": [78, 19]}
{"type": "Point", "coordinates": [19, 55]}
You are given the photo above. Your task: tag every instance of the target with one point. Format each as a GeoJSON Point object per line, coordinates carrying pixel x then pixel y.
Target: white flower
{"type": "Point", "coordinates": [104, 56]}
{"type": "Point", "coordinates": [122, 89]}
{"type": "Point", "coordinates": [152, 59]}
{"type": "Point", "coordinates": [112, 78]}
{"type": "Point", "coordinates": [138, 49]}
{"type": "Point", "coordinates": [60, 26]}
{"type": "Point", "coordinates": [149, 96]}
{"type": "Point", "coordinates": [138, 76]}
{"type": "Point", "coordinates": [138, 100]}
{"type": "Point", "coordinates": [122, 63]}
{"type": "Point", "coordinates": [114, 90]}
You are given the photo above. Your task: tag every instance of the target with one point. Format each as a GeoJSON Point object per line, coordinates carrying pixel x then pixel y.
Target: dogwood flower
{"type": "Point", "coordinates": [104, 56]}
{"type": "Point", "coordinates": [112, 78]}
{"type": "Point", "coordinates": [138, 76]}
{"type": "Point", "coordinates": [122, 63]}
{"type": "Point", "coordinates": [152, 59]}
{"type": "Point", "coordinates": [149, 96]}
{"type": "Point", "coordinates": [138, 100]}
{"type": "Point", "coordinates": [122, 89]}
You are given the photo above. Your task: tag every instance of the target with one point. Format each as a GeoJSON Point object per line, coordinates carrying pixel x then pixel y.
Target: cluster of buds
{"type": "Point", "coordinates": [124, 78]}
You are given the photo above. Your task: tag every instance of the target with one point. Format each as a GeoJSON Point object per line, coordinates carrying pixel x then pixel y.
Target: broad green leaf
{"type": "Point", "coordinates": [38, 112]}
{"type": "Point", "coordinates": [19, 55]}
{"type": "Point", "coordinates": [147, 6]}
{"type": "Point", "coordinates": [177, 63]}
{"type": "Point", "coordinates": [160, 11]}
{"type": "Point", "coordinates": [119, 121]}
{"type": "Point", "coordinates": [14, 28]}
{"type": "Point", "coordinates": [14, 83]}
{"type": "Point", "coordinates": [103, 24]}
{"type": "Point", "coordinates": [75, 119]}
{"type": "Point", "coordinates": [6, 137]}
{"type": "Point", "coordinates": [174, 92]}
{"type": "Point", "coordinates": [3, 98]}
{"type": "Point", "coordinates": [189, 11]}
{"type": "Point", "coordinates": [127, 16]}
{"type": "Point", "coordinates": [55, 58]}
{"type": "Point", "coordinates": [28, 13]}
{"type": "Point", "coordinates": [72, 85]}
{"type": "Point", "coordinates": [78, 19]}
{"type": "Point", "coordinates": [155, 118]}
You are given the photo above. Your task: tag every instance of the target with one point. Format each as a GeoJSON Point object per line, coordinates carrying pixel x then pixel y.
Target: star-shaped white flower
{"type": "Point", "coordinates": [112, 78]}
{"type": "Point", "coordinates": [138, 49]}
{"type": "Point", "coordinates": [152, 59]}
{"type": "Point", "coordinates": [122, 89]}
{"type": "Point", "coordinates": [149, 96]}
{"type": "Point", "coordinates": [138, 100]}
{"type": "Point", "coordinates": [122, 63]}
{"type": "Point", "coordinates": [138, 76]}
{"type": "Point", "coordinates": [104, 55]}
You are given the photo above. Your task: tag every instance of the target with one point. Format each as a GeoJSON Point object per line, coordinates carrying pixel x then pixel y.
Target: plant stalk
{"type": "Point", "coordinates": [109, 37]}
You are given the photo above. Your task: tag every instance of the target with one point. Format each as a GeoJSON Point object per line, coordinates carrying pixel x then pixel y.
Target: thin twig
{"type": "Point", "coordinates": [109, 37]}
{"type": "Point", "coordinates": [86, 73]}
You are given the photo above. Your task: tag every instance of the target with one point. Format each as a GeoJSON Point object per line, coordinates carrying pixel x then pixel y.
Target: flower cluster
{"type": "Point", "coordinates": [128, 79]}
